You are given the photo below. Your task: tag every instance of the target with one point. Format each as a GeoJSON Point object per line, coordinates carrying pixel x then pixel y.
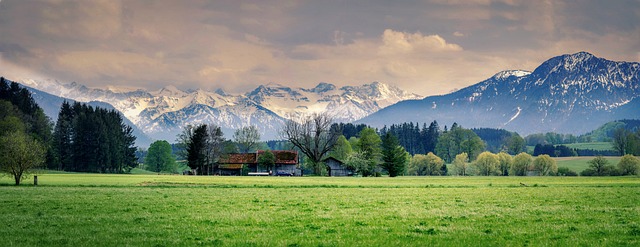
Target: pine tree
{"type": "Point", "coordinates": [196, 150]}
{"type": "Point", "coordinates": [394, 156]}
{"type": "Point", "coordinates": [431, 137]}
{"type": "Point", "coordinates": [62, 136]}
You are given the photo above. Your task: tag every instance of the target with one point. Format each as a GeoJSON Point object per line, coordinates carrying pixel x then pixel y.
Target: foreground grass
{"type": "Point", "coordinates": [152, 210]}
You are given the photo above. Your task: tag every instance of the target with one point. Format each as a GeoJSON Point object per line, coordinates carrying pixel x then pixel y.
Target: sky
{"type": "Point", "coordinates": [426, 47]}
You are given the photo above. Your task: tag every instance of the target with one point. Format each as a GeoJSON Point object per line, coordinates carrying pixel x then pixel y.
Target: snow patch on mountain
{"type": "Point", "coordinates": [514, 116]}
{"type": "Point", "coordinates": [508, 73]}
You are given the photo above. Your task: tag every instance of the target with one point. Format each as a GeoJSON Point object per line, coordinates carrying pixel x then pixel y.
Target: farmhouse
{"type": "Point", "coordinates": [233, 164]}
{"type": "Point", "coordinates": [337, 168]}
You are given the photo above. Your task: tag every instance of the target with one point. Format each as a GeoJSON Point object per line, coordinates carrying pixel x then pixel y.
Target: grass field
{"type": "Point", "coordinates": [165, 210]}
{"type": "Point", "coordinates": [580, 163]}
{"type": "Point", "coordinates": [601, 146]}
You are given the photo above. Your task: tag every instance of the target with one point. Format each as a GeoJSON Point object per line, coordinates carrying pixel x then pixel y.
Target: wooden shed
{"type": "Point", "coordinates": [337, 168]}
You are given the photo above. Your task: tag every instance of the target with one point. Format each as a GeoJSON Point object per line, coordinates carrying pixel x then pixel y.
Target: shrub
{"type": "Point", "coordinates": [565, 171]}
{"type": "Point", "coordinates": [607, 170]}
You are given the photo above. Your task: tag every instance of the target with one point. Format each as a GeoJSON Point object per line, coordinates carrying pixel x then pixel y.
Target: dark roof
{"type": "Point", "coordinates": [282, 157]}
{"type": "Point", "coordinates": [332, 158]}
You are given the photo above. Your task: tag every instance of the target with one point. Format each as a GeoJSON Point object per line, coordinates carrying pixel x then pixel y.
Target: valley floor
{"type": "Point", "coordinates": [171, 210]}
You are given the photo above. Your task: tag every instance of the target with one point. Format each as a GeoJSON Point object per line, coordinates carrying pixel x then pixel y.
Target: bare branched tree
{"type": "Point", "coordinates": [313, 136]}
{"type": "Point", "coordinates": [215, 145]}
{"type": "Point", "coordinates": [247, 138]}
{"type": "Point", "coordinates": [182, 141]}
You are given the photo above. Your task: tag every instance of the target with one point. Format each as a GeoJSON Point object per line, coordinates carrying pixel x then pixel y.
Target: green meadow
{"type": "Point", "coordinates": [580, 163]}
{"type": "Point", "coordinates": [170, 210]}
{"type": "Point", "coordinates": [601, 146]}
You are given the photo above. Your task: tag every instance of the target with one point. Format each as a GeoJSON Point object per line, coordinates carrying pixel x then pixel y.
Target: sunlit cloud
{"type": "Point", "coordinates": [429, 47]}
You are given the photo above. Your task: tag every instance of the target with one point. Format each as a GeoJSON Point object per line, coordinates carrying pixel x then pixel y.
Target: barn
{"type": "Point", "coordinates": [286, 163]}
{"type": "Point", "coordinates": [337, 168]}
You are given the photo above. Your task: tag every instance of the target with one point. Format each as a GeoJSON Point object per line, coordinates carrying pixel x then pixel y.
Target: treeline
{"type": "Point", "coordinates": [414, 139]}
{"type": "Point", "coordinates": [422, 140]}
{"type": "Point", "coordinates": [554, 150]}
{"type": "Point", "coordinates": [88, 139]}
{"type": "Point", "coordinates": [626, 141]}
{"type": "Point", "coordinates": [19, 112]}
{"type": "Point", "coordinates": [427, 149]}
{"type": "Point", "coordinates": [600, 166]}
{"type": "Point", "coordinates": [84, 139]}
{"type": "Point", "coordinates": [370, 154]}
{"type": "Point", "coordinates": [498, 140]}
{"type": "Point", "coordinates": [605, 132]}
{"type": "Point", "coordinates": [25, 132]}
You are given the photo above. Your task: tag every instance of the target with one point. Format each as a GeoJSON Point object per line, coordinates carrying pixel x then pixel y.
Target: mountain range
{"type": "Point", "coordinates": [573, 93]}
{"type": "Point", "coordinates": [162, 114]}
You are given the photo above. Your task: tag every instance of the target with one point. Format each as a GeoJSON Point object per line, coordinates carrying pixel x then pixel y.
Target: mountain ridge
{"type": "Point", "coordinates": [163, 113]}
{"type": "Point", "coordinates": [571, 93]}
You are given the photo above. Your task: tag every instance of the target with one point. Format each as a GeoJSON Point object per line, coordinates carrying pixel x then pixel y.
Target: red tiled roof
{"type": "Point", "coordinates": [248, 158]}
{"type": "Point", "coordinates": [282, 157]}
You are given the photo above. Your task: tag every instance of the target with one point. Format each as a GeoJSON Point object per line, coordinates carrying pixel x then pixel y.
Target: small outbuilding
{"type": "Point", "coordinates": [337, 168]}
{"type": "Point", "coordinates": [286, 163]}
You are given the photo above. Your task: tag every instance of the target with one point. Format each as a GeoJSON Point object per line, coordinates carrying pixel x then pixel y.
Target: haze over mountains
{"type": "Point", "coordinates": [568, 94]}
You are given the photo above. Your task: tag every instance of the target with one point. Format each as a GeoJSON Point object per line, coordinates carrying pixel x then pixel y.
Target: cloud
{"type": "Point", "coordinates": [427, 47]}
{"type": "Point", "coordinates": [401, 42]}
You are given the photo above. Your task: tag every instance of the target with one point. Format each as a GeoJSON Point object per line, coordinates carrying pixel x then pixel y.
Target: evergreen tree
{"type": "Point", "coordinates": [394, 158]}
{"type": "Point", "coordinates": [92, 140]}
{"type": "Point", "coordinates": [196, 149]}
{"type": "Point", "coordinates": [37, 124]}
{"type": "Point", "coordinates": [431, 137]}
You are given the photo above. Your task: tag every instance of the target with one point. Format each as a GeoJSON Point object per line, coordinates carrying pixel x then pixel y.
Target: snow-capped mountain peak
{"type": "Point", "coordinates": [323, 87]}
{"type": "Point", "coordinates": [571, 93]}
{"type": "Point", "coordinates": [162, 113]}
{"type": "Point", "coordinates": [170, 91]}
{"type": "Point", "coordinates": [508, 73]}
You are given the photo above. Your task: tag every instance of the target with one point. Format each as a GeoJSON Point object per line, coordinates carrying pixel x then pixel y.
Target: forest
{"type": "Point", "coordinates": [85, 139]}
{"type": "Point", "coordinates": [92, 139]}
